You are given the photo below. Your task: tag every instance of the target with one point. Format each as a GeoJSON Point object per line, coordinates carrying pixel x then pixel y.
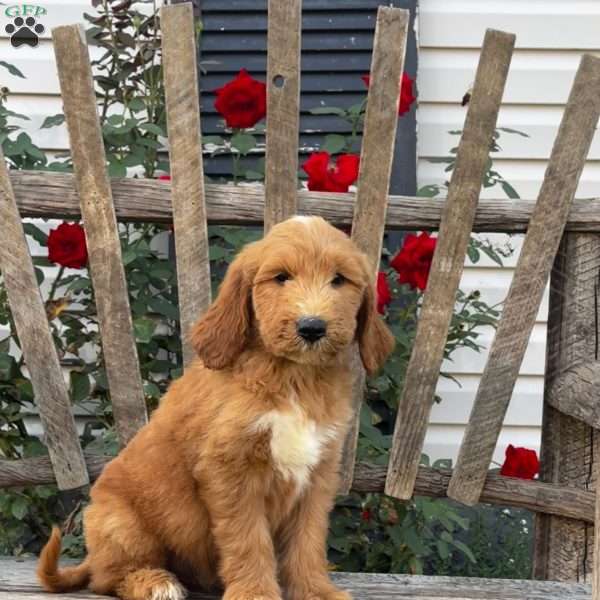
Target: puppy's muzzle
{"type": "Point", "coordinates": [311, 329]}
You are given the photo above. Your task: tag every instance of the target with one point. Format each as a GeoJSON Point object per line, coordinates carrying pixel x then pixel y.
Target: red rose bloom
{"type": "Point", "coordinates": [164, 178]}
{"type": "Point", "coordinates": [365, 515]}
{"type": "Point", "coordinates": [66, 246]}
{"type": "Point", "coordinates": [242, 101]}
{"type": "Point", "coordinates": [413, 260]}
{"type": "Point", "coordinates": [323, 177]}
{"type": "Point", "coordinates": [384, 296]}
{"type": "Point", "coordinates": [520, 462]}
{"type": "Point", "coordinates": [406, 92]}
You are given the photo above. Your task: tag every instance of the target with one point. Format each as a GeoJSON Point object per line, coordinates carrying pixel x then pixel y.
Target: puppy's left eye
{"type": "Point", "coordinates": [338, 280]}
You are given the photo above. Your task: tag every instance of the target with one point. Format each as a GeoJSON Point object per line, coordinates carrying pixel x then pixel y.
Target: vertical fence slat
{"type": "Point", "coordinates": [283, 110]}
{"type": "Point", "coordinates": [377, 155]}
{"type": "Point", "coordinates": [455, 230]}
{"type": "Point", "coordinates": [29, 315]}
{"type": "Point", "coordinates": [187, 173]}
{"type": "Point", "coordinates": [527, 288]}
{"type": "Point", "coordinates": [104, 248]}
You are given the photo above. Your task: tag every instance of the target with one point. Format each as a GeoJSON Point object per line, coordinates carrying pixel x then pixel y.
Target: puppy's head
{"type": "Point", "coordinates": [305, 290]}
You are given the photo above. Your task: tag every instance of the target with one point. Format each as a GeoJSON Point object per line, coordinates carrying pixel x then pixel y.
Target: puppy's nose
{"type": "Point", "coordinates": [311, 329]}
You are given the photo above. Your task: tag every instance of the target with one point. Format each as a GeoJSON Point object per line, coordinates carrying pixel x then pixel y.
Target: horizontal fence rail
{"type": "Point", "coordinates": [536, 496]}
{"type": "Point", "coordinates": [53, 195]}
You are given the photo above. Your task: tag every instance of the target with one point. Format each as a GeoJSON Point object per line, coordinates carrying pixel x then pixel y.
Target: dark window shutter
{"type": "Point", "coordinates": [337, 38]}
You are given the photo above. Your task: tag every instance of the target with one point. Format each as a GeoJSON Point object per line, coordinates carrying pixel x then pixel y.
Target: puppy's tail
{"type": "Point", "coordinates": [57, 580]}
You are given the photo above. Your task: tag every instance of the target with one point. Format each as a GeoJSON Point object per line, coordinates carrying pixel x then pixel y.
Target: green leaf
{"type": "Point", "coordinates": [144, 329]}
{"type": "Point", "coordinates": [473, 254]}
{"type": "Point", "coordinates": [217, 252]}
{"type": "Point", "coordinates": [151, 389]}
{"type": "Point", "coordinates": [80, 386]}
{"type": "Point", "coordinates": [151, 128]}
{"type": "Point", "coordinates": [19, 507]}
{"type": "Point", "coordinates": [333, 143]}
{"type": "Point", "coordinates": [136, 105]}
{"type": "Point", "coordinates": [117, 169]}
{"type": "Point", "coordinates": [515, 131]}
{"type": "Point", "coordinates": [12, 69]}
{"type": "Point", "coordinates": [243, 142]}
{"type": "Point", "coordinates": [36, 233]}
{"type": "Point", "coordinates": [11, 113]}
{"type": "Point", "coordinates": [429, 191]}
{"type": "Point", "coordinates": [254, 175]}
{"type": "Point", "coordinates": [53, 121]}
{"type": "Point", "coordinates": [8, 367]}
{"type": "Point", "coordinates": [509, 190]}
{"type": "Point", "coordinates": [39, 275]}
{"type": "Point", "coordinates": [163, 307]}
{"type": "Point", "coordinates": [443, 549]}
{"type": "Point", "coordinates": [79, 284]}
{"type": "Point", "coordinates": [465, 550]}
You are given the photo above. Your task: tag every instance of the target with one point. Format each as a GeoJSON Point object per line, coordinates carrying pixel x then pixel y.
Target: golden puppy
{"type": "Point", "coordinates": [232, 480]}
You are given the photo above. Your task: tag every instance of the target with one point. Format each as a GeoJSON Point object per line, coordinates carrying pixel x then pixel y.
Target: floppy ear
{"type": "Point", "coordinates": [222, 332]}
{"type": "Point", "coordinates": [375, 340]}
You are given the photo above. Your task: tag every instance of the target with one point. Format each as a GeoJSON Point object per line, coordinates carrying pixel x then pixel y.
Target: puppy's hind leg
{"type": "Point", "coordinates": [151, 584]}
{"type": "Point", "coordinates": [126, 558]}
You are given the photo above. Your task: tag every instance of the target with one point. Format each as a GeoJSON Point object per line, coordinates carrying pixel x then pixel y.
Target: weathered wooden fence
{"type": "Point", "coordinates": [566, 503]}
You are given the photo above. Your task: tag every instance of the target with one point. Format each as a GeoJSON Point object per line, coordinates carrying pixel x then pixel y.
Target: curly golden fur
{"type": "Point", "coordinates": [232, 480]}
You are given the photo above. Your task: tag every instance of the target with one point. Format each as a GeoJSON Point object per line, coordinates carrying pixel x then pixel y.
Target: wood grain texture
{"type": "Point", "coordinates": [17, 582]}
{"type": "Point", "coordinates": [381, 120]}
{"type": "Point", "coordinates": [575, 393]}
{"type": "Point", "coordinates": [53, 195]}
{"type": "Point", "coordinates": [41, 359]}
{"type": "Point", "coordinates": [536, 496]}
{"type": "Point", "coordinates": [104, 247]}
{"type": "Point", "coordinates": [438, 303]}
{"type": "Point", "coordinates": [187, 173]}
{"type": "Point", "coordinates": [377, 154]}
{"type": "Point", "coordinates": [527, 288]}
{"type": "Point", "coordinates": [564, 549]}
{"type": "Point", "coordinates": [283, 110]}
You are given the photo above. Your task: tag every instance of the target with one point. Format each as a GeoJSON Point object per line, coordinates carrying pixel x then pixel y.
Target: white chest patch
{"type": "Point", "coordinates": [296, 443]}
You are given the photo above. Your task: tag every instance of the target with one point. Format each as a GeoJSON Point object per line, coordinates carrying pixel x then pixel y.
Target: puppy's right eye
{"type": "Point", "coordinates": [282, 277]}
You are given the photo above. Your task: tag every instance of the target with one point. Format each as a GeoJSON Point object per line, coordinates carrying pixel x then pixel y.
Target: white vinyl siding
{"type": "Point", "coordinates": [551, 36]}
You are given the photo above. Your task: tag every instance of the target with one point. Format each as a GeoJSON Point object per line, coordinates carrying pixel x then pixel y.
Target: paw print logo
{"type": "Point", "coordinates": [24, 31]}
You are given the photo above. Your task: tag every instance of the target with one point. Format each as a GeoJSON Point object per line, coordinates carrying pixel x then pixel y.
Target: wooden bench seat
{"type": "Point", "coordinates": [18, 582]}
